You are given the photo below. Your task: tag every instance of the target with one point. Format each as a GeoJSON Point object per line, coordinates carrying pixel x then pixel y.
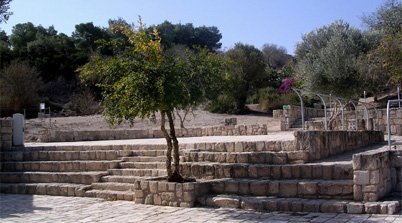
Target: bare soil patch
{"type": "Point", "coordinates": [201, 118]}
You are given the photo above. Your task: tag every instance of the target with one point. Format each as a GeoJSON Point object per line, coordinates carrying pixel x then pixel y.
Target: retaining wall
{"type": "Point", "coordinates": [70, 136]}
{"type": "Point", "coordinates": [322, 144]}
{"type": "Point", "coordinates": [288, 116]}
{"type": "Point", "coordinates": [156, 192]}
{"type": "Point", "coordinates": [6, 130]}
{"type": "Point", "coordinates": [376, 174]}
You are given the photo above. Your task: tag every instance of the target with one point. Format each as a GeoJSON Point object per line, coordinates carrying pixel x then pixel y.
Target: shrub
{"type": "Point", "coordinates": [83, 103]}
{"type": "Point", "coordinates": [20, 84]}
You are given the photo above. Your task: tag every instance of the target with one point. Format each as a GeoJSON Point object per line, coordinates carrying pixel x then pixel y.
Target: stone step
{"type": "Point", "coordinates": [143, 165]}
{"type": "Point", "coordinates": [52, 177]}
{"type": "Point", "coordinates": [55, 189]}
{"type": "Point", "coordinates": [111, 195]}
{"type": "Point", "coordinates": [113, 186]}
{"type": "Point", "coordinates": [326, 189]}
{"type": "Point", "coordinates": [261, 171]}
{"type": "Point", "coordinates": [138, 172]}
{"type": "Point", "coordinates": [144, 159]}
{"type": "Point", "coordinates": [59, 155]}
{"type": "Point", "coordinates": [264, 203]}
{"type": "Point", "coordinates": [120, 179]}
{"type": "Point", "coordinates": [59, 166]}
{"type": "Point", "coordinates": [278, 158]}
{"type": "Point", "coordinates": [149, 153]}
{"type": "Point", "coordinates": [240, 146]}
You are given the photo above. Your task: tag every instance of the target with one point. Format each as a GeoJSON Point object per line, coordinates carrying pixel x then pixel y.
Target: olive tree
{"type": "Point", "coordinates": [142, 81]}
{"type": "Point", "coordinates": [327, 59]}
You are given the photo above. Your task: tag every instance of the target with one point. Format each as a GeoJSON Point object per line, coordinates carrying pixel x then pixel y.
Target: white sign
{"type": "Point", "coordinates": [42, 106]}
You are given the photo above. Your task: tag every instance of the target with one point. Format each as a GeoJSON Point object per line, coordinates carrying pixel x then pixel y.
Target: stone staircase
{"type": "Point", "coordinates": [265, 175]}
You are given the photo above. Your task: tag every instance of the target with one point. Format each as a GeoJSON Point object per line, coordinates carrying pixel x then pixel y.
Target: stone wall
{"type": "Point", "coordinates": [322, 144]}
{"type": "Point", "coordinates": [70, 136]}
{"type": "Point", "coordinates": [350, 116]}
{"type": "Point", "coordinates": [6, 130]}
{"type": "Point", "coordinates": [158, 192]}
{"type": "Point", "coordinates": [288, 116]}
{"type": "Point", "coordinates": [376, 174]}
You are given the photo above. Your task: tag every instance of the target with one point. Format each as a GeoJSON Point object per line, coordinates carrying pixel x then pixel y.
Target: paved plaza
{"type": "Point", "coordinates": [43, 209]}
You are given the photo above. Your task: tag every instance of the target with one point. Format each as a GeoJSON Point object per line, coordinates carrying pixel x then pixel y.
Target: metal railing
{"type": "Point", "coordinates": [339, 100]}
{"type": "Point", "coordinates": [388, 126]}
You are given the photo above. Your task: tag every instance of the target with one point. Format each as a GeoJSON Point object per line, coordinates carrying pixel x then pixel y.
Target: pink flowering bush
{"type": "Point", "coordinates": [285, 88]}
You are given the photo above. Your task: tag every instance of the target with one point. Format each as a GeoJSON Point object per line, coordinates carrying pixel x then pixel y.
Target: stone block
{"type": "Point", "coordinates": [286, 172]}
{"type": "Point", "coordinates": [244, 188]}
{"type": "Point", "coordinates": [231, 186]}
{"type": "Point", "coordinates": [258, 188]}
{"type": "Point", "coordinates": [375, 177]}
{"type": "Point", "coordinates": [252, 171]}
{"type": "Point", "coordinates": [226, 202]}
{"type": "Point", "coordinates": [361, 177]}
{"type": "Point", "coordinates": [243, 158]}
{"type": "Point", "coordinates": [307, 188]}
{"type": "Point", "coordinates": [162, 186]}
{"type": "Point", "coordinates": [372, 207]}
{"type": "Point", "coordinates": [170, 196]}
{"type": "Point", "coordinates": [288, 189]}
{"type": "Point", "coordinates": [153, 187]}
{"type": "Point", "coordinates": [333, 207]}
{"type": "Point", "coordinates": [355, 208]}
{"type": "Point", "coordinates": [240, 171]}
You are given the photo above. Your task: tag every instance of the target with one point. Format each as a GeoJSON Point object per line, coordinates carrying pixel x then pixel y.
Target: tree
{"type": "Point", "coordinates": [275, 56]}
{"type": "Point", "coordinates": [142, 81]}
{"type": "Point", "coordinates": [382, 65]}
{"type": "Point", "coordinates": [20, 84]}
{"type": "Point", "coordinates": [327, 59]}
{"type": "Point", "coordinates": [387, 18]}
{"type": "Point", "coordinates": [4, 13]}
{"type": "Point", "coordinates": [387, 59]}
{"type": "Point", "coordinates": [187, 35]}
{"type": "Point", "coordinates": [247, 75]}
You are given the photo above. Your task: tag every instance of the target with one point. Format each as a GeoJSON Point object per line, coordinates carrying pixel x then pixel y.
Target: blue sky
{"type": "Point", "coordinates": [253, 22]}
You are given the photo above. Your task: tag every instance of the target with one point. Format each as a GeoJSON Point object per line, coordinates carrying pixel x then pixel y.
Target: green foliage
{"type": "Point", "coordinates": [20, 84]}
{"type": "Point", "coordinates": [387, 18]}
{"type": "Point", "coordinates": [187, 35]}
{"type": "Point", "coordinates": [248, 74]}
{"type": "Point", "coordinates": [141, 81]}
{"type": "Point", "coordinates": [4, 13]}
{"type": "Point", "coordinates": [327, 59]}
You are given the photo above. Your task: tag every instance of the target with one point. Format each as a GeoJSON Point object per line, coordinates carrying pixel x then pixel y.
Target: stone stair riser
{"type": "Point", "coordinates": [113, 186]}
{"type": "Point", "coordinates": [300, 205]}
{"type": "Point", "coordinates": [294, 157]}
{"type": "Point", "coordinates": [62, 166]}
{"type": "Point", "coordinates": [44, 189]}
{"type": "Point", "coordinates": [47, 177]}
{"type": "Point", "coordinates": [143, 165]}
{"type": "Point", "coordinates": [59, 155]}
{"type": "Point", "coordinates": [138, 172]}
{"type": "Point", "coordinates": [111, 195]}
{"type": "Point", "coordinates": [119, 179]}
{"type": "Point", "coordinates": [144, 159]}
{"type": "Point", "coordinates": [286, 189]}
{"type": "Point", "coordinates": [217, 170]}
{"type": "Point", "coordinates": [259, 146]}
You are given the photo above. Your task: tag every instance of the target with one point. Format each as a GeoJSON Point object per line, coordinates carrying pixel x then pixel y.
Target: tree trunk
{"type": "Point", "coordinates": [176, 177]}
{"type": "Point", "coordinates": [169, 145]}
